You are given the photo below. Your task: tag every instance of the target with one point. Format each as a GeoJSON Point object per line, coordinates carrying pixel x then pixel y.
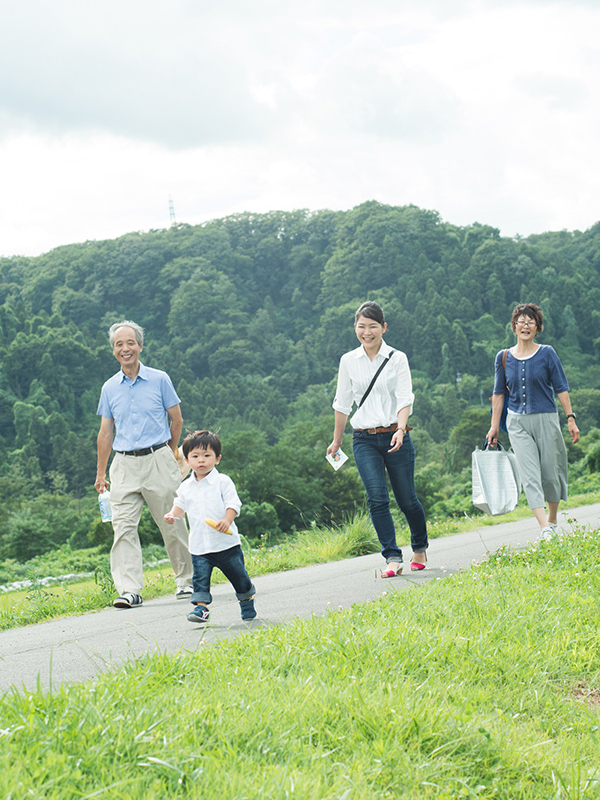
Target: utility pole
{"type": "Point", "coordinates": [172, 219]}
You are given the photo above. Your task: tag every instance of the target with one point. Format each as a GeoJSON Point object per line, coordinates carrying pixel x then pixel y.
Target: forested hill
{"type": "Point", "coordinates": [250, 314]}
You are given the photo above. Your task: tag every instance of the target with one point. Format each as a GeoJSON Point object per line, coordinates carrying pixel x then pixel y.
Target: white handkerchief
{"type": "Point", "coordinates": [337, 459]}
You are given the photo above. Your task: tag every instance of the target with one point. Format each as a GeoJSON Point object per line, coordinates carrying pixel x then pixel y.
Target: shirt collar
{"type": "Point", "coordinates": [384, 351]}
{"type": "Point", "coordinates": [210, 478]}
{"type": "Point", "coordinates": [143, 374]}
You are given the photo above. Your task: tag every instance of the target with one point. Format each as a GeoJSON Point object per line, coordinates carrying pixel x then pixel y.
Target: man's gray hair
{"type": "Point", "coordinates": [139, 331]}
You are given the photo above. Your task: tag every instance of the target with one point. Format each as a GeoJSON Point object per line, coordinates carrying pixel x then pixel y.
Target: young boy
{"type": "Point", "coordinates": [206, 494]}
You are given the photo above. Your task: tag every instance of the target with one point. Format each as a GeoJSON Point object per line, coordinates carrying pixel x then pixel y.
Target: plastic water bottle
{"type": "Point", "coordinates": [104, 502]}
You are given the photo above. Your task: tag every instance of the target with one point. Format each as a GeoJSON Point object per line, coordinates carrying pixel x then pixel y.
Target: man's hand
{"type": "Point", "coordinates": [101, 484]}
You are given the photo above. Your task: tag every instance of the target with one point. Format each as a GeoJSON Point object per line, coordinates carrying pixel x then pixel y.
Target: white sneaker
{"type": "Point", "coordinates": [184, 592]}
{"type": "Point", "coordinates": [546, 533]}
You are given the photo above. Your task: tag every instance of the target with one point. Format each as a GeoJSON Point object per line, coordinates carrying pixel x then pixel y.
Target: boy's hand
{"type": "Point", "coordinates": [170, 519]}
{"type": "Point", "coordinates": [220, 525]}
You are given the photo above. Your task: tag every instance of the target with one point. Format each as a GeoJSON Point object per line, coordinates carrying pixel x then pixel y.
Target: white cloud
{"type": "Point", "coordinates": [154, 72]}
{"type": "Point", "coordinates": [482, 110]}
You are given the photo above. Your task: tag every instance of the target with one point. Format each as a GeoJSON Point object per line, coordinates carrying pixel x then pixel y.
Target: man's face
{"type": "Point", "coordinates": [126, 348]}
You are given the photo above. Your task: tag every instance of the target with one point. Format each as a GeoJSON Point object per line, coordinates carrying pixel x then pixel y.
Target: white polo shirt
{"type": "Point", "coordinates": [210, 497]}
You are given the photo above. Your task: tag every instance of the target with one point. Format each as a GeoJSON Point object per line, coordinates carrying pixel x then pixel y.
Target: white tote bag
{"type": "Point", "coordinates": [496, 480]}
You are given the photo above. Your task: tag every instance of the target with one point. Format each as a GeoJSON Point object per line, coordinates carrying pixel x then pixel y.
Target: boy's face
{"type": "Point", "coordinates": [202, 461]}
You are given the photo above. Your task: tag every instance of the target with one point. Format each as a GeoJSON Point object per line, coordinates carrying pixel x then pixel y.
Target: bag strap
{"type": "Point", "coordinates": [497, 446]}
{"type": "Point", "coordinates": [370, 386]}
{"type": "Point", "coordinates": [504, 354]}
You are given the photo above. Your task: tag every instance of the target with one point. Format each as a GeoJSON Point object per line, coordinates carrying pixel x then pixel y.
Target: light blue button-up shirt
{"type": "Point", "coordinates": [138, 407]}
{"type": "Point", "coordinates": [532, 382]}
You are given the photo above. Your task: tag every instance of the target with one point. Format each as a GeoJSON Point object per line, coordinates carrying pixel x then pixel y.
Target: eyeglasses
{"type": "Point", "coordinates": [530, 323]}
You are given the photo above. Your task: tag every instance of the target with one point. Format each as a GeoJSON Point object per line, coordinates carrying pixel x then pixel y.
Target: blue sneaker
{"type": "Point", "coordinates": [200, 615]}
{"type": "Point", "coordinates": [247, 607]}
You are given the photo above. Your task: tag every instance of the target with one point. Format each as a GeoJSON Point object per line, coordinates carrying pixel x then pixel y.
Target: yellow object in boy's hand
{"type": "Point", "coordinates": [213, 524]}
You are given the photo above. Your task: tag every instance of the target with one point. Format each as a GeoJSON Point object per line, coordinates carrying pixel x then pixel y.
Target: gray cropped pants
{"type": "Point", "coordinates": [538, 444]}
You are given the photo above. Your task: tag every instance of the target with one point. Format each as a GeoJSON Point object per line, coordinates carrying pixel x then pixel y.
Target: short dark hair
{"type": "Point", "coordinates": [205, 440]}
{"type": "Point", "coordinates": [371, 310]}
{"type": "Point", "coordinates": [528, 310]}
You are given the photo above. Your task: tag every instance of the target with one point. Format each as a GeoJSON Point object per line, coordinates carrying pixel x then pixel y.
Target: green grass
{"type": "Point", "coordinates": [482, 685]}
{"type": "Point", "coordinates": [315, 546]}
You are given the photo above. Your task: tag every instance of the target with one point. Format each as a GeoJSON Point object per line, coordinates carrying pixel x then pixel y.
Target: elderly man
{"type": "Point", "coordinates": [145, 407]}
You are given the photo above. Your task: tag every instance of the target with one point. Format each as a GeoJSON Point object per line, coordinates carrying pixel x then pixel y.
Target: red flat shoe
{"type": "Point", "coordinates": [391, 573]}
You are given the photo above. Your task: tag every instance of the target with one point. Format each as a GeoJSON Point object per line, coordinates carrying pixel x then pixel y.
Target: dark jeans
{"type": "Point", "coordinates": [372, 460]}
{"type": "Point", "coordinates": [231, 564]}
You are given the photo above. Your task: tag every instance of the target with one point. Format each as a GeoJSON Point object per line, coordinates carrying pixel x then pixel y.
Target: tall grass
{"type": "Point", "coordinates": [482, 685]}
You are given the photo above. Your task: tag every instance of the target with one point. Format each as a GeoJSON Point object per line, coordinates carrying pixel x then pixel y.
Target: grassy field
{"type": "Point", "coordinates": [482, 685]}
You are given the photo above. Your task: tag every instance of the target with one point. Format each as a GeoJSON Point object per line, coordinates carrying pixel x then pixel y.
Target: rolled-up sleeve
{"type": "Point", "coordinates": [344, 396]}
{"type": "Point", "coordinates": [404, 393]}
{"type": "Point", "coordinates": [179, 501]}
{"type": "Point", "coordinates": [557, 373]}
{"type": "Point", "coordinates": [229, 493]}
{"type": "Point", "coordinates": [500, 376]}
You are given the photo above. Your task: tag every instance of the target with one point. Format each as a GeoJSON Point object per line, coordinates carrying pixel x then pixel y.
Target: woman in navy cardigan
{"type": "Point", "coordinates": [532, 377]}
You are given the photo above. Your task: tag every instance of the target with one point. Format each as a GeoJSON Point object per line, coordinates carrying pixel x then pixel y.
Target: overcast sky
{"type": "Point", "coordinates": [484, 110]}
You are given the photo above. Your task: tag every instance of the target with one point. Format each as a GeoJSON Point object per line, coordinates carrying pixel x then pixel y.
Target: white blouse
{"type": "Point", "coordinates": [391, 392]}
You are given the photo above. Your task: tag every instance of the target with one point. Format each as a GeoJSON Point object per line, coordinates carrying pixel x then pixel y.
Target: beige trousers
{"type": "Point", "coordinates": [154, 479]}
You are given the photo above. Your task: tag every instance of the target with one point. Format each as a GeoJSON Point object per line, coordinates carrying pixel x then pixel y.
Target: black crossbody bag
{"type": "Point", "coordinates": [370, 386]}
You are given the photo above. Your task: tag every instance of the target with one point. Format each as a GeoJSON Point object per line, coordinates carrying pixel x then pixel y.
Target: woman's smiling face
{"type": "Point", "coordinates": [369, 332]}
{"type": "Point", "coordinates": [525, 328]}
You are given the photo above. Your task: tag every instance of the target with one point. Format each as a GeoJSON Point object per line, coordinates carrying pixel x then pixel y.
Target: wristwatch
{"type": "Point", "coordinates": [571, 415]}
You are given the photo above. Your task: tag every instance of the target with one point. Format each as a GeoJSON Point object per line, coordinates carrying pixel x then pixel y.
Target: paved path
{"type": "Point", "coordinates": [79, 648]}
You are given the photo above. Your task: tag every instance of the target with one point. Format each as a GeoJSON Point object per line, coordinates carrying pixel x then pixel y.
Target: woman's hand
{"type": "Point", "coordinates": [492, 435]}
{"type": "Point", "coordinates": [334, 447]}
{"type": "Point", "coordinates": [573, 430]}
{"type": "Point", "coordinates": [397, 439]}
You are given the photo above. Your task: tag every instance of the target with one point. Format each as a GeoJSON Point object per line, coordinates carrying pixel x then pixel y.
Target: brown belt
{"type": "Point", "coordinates": [383, 429]}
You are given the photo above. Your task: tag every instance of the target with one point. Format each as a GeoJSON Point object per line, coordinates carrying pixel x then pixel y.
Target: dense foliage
{"type": "Point", "coordinates": [249, 315]}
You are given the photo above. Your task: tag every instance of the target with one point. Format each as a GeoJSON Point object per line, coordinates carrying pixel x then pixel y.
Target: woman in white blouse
{"type": "Point", "coordinates": [381, 440]}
